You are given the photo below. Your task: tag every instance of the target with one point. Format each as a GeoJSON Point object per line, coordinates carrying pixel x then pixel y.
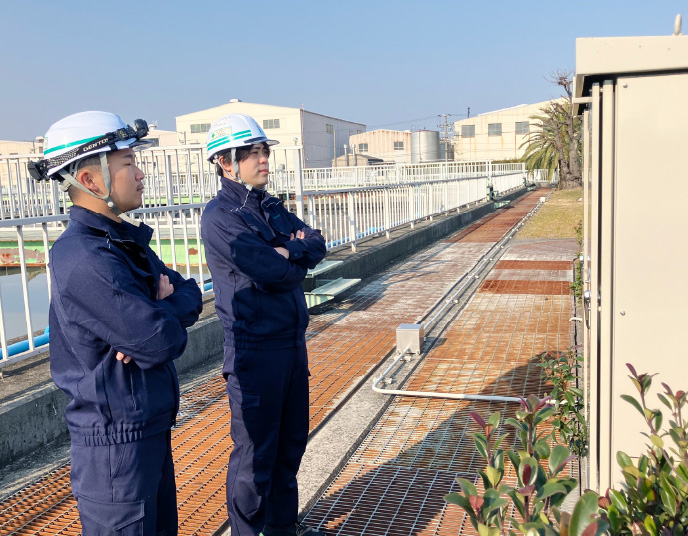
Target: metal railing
{"type": "Point", "coordinates": [347, 204]}
{"type": "Point", "coordinates": [181, 174]}
{"type": "Point", "coordinates": [506, 183]}
{"type": "Point", "coordinates": [347, 215]}
{"type": "Point", "coordinates": [378, 175]}
{"type": "Point", "coordinates": [176, 240]}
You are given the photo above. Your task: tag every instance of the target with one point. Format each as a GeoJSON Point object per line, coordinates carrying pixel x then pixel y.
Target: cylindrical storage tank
{"type": "Point", "coordinates": [425, 146]}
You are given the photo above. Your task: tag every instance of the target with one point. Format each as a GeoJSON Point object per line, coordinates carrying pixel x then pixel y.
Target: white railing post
{"type": "Point", "coordinates": [173, 252]}
{"type": "Point", "coordinates": [46, 247]}
{"type": "Point", "coordinates": [298, 184]}
{"type": "Point", "coordinates": [387, 209]}
{"type": "Point", "coordinates": [185, 221]}
{"type": "Point", "coordinates": [411, 207]}
{"type": "Point", "coordinates": [197, 228]}
{"type": "Point", "coordinates": [419, 209]}
{"type": "Point", "coordinates": [352, 220]}
{"type": "Point", "coordinates": [311, 211]}
{"type": "Point", "coordinates": [25, 286]}
{"type": "Point", "coordinates": [167, 159]}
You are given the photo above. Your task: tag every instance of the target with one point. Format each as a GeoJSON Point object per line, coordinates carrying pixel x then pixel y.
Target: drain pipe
{"type": "Point", "coordinates": [405, 356]}
{"type": "Point", "coordinates": [23, 346]}
{"type": "Point", "coordinates": [431, 394]}
{"type": "Point", "coordinates": [411, 336]}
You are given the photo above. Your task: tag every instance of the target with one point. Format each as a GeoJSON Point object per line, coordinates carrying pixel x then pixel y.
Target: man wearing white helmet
{"type": "Point", "coordinates": [258, 254]}
{"type": "Point", "coordinates": [118, 319]}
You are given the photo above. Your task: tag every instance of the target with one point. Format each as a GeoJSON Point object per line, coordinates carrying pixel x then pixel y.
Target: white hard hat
{"type": "Point", "coordinates": [87, 133]}
{"type": "Point", "coordinates": [81, 135]}
{"type": "Point", "coordinates": [233, 131]}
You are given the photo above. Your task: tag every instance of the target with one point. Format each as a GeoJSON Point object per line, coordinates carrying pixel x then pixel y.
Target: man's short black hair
{"type": "Point", "coordinates": [90, 161]}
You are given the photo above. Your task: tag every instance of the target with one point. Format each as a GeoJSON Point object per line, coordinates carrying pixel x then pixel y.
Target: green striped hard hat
{"type": "Point", "coordinates": [233, 131]}
{"type": "Point", "coordinates": [87, 133]}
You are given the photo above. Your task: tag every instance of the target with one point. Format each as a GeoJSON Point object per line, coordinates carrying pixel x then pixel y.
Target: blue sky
{"type": "Point", "coordinates": [386, 64]}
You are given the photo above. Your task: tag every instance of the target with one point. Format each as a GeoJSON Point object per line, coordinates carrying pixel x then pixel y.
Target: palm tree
{"type": "Point", "coordinates": [556, 141]}
{"type": "Point", "coordinates": [540, 152]}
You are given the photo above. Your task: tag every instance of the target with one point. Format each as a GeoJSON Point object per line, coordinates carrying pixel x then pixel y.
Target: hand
{"type": "Point", "coordinates": [123, 358]}
{"type": "Point", "coordinates": [165, 288]}
{"type": "Point", "coordinates": [283, 251]}
{"type": "Point", "coordinates": [299, 235]}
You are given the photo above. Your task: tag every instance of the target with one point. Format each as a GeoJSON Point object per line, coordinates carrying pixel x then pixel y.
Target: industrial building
{"type": "Point", "coordinates": [400, 146]}
{"type": "Point", "coordinates": [161, 138]}
{"type": "Point", "coordinates": [496, 135]}
{"type": "Point", "coordinates": [21, 147]}
{"type": "Point", "coordinates": [386, 145]}
{"type": "Point", "coordinates": [323, 137]}
{"type": "Point", "coordinates": [15, 149]}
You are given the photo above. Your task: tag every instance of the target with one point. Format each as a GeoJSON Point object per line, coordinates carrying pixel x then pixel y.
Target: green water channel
{"type": "Point", "coordinates": [34, 251]}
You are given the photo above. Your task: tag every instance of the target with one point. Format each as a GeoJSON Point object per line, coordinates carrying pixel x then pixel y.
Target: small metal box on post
{"type": "Point", "coordinates": [410, 338]}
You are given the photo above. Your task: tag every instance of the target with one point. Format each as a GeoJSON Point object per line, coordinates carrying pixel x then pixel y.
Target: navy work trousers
{"type": "Point", "coordinates": [126, 489]}
{"type": "Point", "coordinates": [268, 397]}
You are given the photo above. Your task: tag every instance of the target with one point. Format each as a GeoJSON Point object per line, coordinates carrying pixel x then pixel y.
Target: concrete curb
{"type": "Point", "coordinates": [32, 421]}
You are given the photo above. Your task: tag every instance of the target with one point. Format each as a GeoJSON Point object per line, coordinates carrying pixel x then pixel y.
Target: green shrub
{"type": "Point", "coordinates": [568, 423]}
{"type": "Point", "coordinates": [652, 500]}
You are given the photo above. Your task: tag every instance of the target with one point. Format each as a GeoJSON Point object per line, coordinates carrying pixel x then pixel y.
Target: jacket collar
{"type": "Point", "coordinates": [120, 232]}
{"type": "Point", "coordinates": [237, 192]}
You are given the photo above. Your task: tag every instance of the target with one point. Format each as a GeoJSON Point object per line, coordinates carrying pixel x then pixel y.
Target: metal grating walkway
{"type": "Point", "coordinates": [345, 342]}
{"type": "Point", "coordinates": [395, 482]}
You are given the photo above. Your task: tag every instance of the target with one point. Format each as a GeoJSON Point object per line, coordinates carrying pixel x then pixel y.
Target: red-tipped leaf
{"type": "Point", "coordinates": [476, 502]}
{"type": "Point", "coordinates": [477, 418]}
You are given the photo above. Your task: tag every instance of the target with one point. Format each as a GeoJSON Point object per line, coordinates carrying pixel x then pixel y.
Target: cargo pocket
{"type": "Point", "coordinates": [238, 396]}
{"type": "Point", "coordinates": [124, 517]}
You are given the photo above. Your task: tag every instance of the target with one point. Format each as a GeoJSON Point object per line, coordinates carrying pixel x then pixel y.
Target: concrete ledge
{"type": "Point", "coordinates": [34, 420]}
{"type": "Point", "coordinates": [31, 421]}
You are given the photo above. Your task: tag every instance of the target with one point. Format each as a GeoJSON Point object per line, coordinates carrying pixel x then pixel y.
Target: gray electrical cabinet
{"type": "Point", "coordinates": [633, 95]}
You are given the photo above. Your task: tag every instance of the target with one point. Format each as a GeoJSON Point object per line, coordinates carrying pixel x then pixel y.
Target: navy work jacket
{"type": "Point", "coordinates": [258, 293]}
{"type": "Point", "coordinates": [104, 284]}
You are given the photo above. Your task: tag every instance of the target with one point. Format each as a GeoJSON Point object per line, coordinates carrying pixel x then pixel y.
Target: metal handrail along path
{"type": "Point", "coordinates": [345, 215]}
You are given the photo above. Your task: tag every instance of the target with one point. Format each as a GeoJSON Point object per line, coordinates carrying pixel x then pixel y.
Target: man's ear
{"type": "Point", "coordinates": [88, 178]}
{"type": "Point", "coordinates": [221, 161]}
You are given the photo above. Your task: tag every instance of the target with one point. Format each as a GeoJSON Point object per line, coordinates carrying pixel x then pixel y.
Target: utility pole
{"type": "Point", "coordinates": [469, 112]}
{"type": "Point", "coordinates": [446, 139]}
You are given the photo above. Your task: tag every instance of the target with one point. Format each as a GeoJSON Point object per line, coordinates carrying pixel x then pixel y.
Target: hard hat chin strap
{"type": "Point", "coordinates": [235, 166]}
{"type": "Point", "coordinates": [69, 178]}
{"type": "Point", "coordinates": [237, 178]}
